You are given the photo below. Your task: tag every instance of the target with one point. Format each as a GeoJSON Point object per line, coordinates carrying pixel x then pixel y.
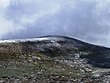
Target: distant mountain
{"type": "Point", "coordinates": [54, 46]}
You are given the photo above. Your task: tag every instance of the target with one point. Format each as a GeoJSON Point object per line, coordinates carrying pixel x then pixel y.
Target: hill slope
{"type": "Point", "coordinates": [58, 46]}
{"type": "Point", "coordinates": [52, 59]}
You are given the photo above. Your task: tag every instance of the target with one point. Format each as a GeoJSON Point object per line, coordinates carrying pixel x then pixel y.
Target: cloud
{"type": "Point", "coordinates": [88, 20]}
{"type": "Point", "coordinates": [4, 23]}
{"type": "Point", "coordinates": [4, 3]}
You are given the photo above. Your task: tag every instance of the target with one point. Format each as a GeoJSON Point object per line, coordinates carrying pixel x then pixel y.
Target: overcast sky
{"type": "Point", "coordinates": [88, 20]}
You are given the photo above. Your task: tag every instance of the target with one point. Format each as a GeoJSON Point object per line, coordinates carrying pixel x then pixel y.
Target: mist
{"type": "Point", "coordinates": [87, 20]}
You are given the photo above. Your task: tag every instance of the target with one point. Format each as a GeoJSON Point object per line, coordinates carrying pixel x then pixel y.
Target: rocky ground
{"type": "Point", "coordinates": [53, 61]}
{"type": "Point", "coordinates": [42, 69]}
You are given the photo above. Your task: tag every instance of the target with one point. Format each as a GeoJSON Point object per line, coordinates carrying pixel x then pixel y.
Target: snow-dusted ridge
{"type": "Point", "coordinates": [50, 38]}
{"type": "Point", "coordinates": [33, 39]}
{"type": "Point", "coordinates": [22, 40]}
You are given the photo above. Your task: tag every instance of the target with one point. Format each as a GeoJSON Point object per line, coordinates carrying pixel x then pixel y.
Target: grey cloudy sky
{"type": "Point", "coordinates": [88, 20]}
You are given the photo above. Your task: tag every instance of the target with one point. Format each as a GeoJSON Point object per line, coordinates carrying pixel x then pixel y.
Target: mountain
{"type": "Point", "coordinates": [59, 46]}
{"type": "Point", "coordinates": [53, 58]}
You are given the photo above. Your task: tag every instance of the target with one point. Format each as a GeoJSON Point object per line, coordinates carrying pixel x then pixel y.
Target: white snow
{"type": "Point", "coordinates": [31, 39]}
